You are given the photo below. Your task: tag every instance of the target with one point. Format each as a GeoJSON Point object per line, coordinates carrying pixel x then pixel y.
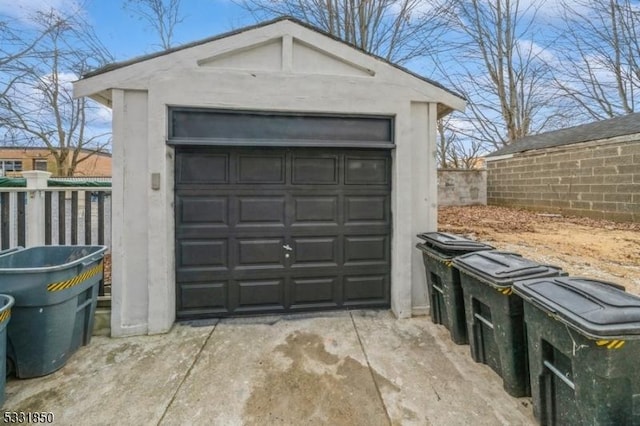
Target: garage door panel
{"type": "Point", "coordinates": [203, 210]}
{"type": "Point", "coordinates": [366, 171]}
{"type": "Point", "coordinates": [365, 250]}
{"type": "Point", "coordinates": [262, 169]}
{"type": "Point", "coordinates": [199, 168]}
{"type": "Point", "coordinates": [262, 253]}
{"type": "Point", "coordinates": [366, 209]}
{"type": "Point", "coordinates": [265, 293]}
{"type": "Point", "coordinates": [204, 296]}
{"type": "Point", "coordinates": [313, 252]}
{"type": "Point", "coordinates": [262, 211]}
{"type": "Point", "coordinates": [366, 288]}
{"type": "Point", "coordinates": [314, 170]}
{"type": "Point", "coordinates": [314, 291]}
{"type": "Point", "coordinates": [309, 210]}
{"type": "Point", "coordinates": [212, 254]}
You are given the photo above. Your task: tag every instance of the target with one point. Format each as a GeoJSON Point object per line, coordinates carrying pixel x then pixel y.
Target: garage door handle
{"type": "Point", "coordinates": [287, 247]}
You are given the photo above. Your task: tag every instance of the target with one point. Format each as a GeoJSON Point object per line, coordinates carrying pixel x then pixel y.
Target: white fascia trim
{"type": "Point", "coordinates": [499, 157]}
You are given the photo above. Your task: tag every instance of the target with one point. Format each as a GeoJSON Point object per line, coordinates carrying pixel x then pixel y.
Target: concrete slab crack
{"type": "Point", "coordinates": [373, 376]}
{"type": "Point", "coordinates": [186, 376]}
{"type": "Point", "coordinates": [436, 392]}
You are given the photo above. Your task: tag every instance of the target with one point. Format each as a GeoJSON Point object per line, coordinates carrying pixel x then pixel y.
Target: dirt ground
{"type": "Point", "coordinates": [583, 247]}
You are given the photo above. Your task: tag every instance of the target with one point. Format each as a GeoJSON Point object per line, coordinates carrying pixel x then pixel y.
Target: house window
{"type": "Point", "coordinates": [10, 166]}
{"type": "Point", "coordinates": [40, 165]}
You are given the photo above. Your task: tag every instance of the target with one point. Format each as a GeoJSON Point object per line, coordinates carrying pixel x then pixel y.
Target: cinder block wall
{"type": "Point", "coordinates": [593, 179]}
{"type": "Point", "coordinates": [457, 187]}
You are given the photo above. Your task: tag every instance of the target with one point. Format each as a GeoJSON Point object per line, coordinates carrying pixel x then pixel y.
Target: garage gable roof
{"type": "Point", "coordinates": [247, 51]}
{"type": "Point", "coordinates": [605, 129]}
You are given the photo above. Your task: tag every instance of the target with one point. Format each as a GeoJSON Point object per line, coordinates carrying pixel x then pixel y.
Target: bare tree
{"type": "Point", "coordinates": [445, 141]}
{"type": "Point", "coordinates": [161, 15]}
{"type": "Point", "coordinates": [397, 30]}
{"type": "Point", "coordinates": [454, 152]}
{"type": "Point", "coordinates": [37, 107]}
{"type": "Point", "coordinates": [466, 155]}
{"type": "Point", "coordinates": [14, 45]}
{"type": "Point", "coordinates": [501, 69]}
{"type": "Point", "coordinates": [600, 56]}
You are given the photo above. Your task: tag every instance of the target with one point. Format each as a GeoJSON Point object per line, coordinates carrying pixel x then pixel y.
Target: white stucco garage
{"type": "Point", "coordinates": [232, 147]}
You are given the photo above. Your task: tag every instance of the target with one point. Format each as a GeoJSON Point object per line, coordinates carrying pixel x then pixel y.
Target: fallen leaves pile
{"type": "Point", "coordinates": [471, 220]}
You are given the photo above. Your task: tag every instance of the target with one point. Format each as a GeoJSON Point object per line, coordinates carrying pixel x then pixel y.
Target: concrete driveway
{"type": "Point", "coordinates": [346, 368]}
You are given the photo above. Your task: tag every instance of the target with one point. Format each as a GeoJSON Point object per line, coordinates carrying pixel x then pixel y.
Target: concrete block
{"type": "Point", "coordinates": [550, 166]}
{"type": "Point", "coordinates": [632, 148]}
{"type": "Point", "coordinates": [618, 160]}
{"type": "Point", "coordinates": [603, 188]}
{"type": "Point", "coordinates": [624, 169]}
{"type": "Point", "coordinates": [590, 196]}
{"type": "Point", "coordinates": [581, 154]}
{"type": "Point", "coordinates": [592, 179]}
{"type": "Point", "coordinates": [618, 198]}
{"type": "Point", "coordinates": [607, 152]}
{"type": "Point", "coordinates": [592, 162]}
{"type": "Point", "coordinates": [632, 188]}
{"type": "Point", "coordinates": [618, 178]}
{"type": "Point", "coordinates": [605, 206]}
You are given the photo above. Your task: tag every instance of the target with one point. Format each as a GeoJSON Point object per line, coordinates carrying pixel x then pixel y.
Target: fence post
{"type": "Point", "coordinates": [36, 187]}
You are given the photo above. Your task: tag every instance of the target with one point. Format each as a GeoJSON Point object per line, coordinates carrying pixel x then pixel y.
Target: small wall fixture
{"type": "Point", "coordinates": [155, 181]}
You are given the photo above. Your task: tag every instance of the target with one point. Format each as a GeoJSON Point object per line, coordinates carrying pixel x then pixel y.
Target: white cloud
{"type": "Point", "coordinates": [539, 52]}
{"type": "Point", "coordinates": [552, 9]}
{"type": "Point", "coordinates": [23, 10]}
{"type": "Point", "coordinates": [416, 8]}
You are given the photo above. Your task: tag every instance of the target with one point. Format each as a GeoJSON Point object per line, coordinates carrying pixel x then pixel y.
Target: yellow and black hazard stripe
{"type": "Point", "coordinates": [506, 291]}
{"type": "Point", "coordinates": [610, 344]}
{"type": "Point", "coordinates": [64, 285]}
{"type": "Point", "coordinates": [4, 315]}
{"type": "Point", "coordinates": [448, 263]}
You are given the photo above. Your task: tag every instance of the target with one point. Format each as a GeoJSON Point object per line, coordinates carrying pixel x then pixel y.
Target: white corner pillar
{"type": "Point", "coordinates": [36, 187]}
{"type": "Point", "coordinates": [425, 194]}
{"type": "Point", "coordinates": [401, 193]}
{"type": "Point", "coordinates": [129, 214]}
{"type": "Point", "coordinates": [160, 258]}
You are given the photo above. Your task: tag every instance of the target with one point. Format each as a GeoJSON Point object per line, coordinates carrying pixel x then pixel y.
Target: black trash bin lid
{"type": "Point", "coordinates": [500, 269]}
{"type": "Point", "coordinates": [451, 243]}
{"type": "Point", "coordinates": [596, 309]}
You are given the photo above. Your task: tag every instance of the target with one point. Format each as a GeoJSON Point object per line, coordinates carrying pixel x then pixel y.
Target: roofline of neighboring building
{"type": "Point", "coordinates": [122, 64]}
{"type": "Point", "coordinates": [514, 147]}
{"type": "Point", "coordinates": [629, 137]}
{"type": "Point", "coordinates": [44, 148]}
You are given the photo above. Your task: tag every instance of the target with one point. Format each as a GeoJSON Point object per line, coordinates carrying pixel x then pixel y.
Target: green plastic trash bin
{"type": "Point", "coordinates": [584, 347]}
{"type": "Point", "coordinates": [55, 290]}
{"type": "Point", "coordinates": [494, 313]}
{"type": "Point", "coordinates": [6, 302]}
{"type": "Point", "coordinates": [443, 279]}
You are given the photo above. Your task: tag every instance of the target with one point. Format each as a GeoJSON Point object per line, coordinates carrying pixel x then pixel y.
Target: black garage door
{"type": "Point", "coordinates": [298, 222]}
{"type": "Point", "coordinates": [281, 230]}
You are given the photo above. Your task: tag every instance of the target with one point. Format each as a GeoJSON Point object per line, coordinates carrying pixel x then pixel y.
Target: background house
{"type": "Point", "coordinates": [589, 170]}
{"type": "Point", "coordinates": [14, 160]}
